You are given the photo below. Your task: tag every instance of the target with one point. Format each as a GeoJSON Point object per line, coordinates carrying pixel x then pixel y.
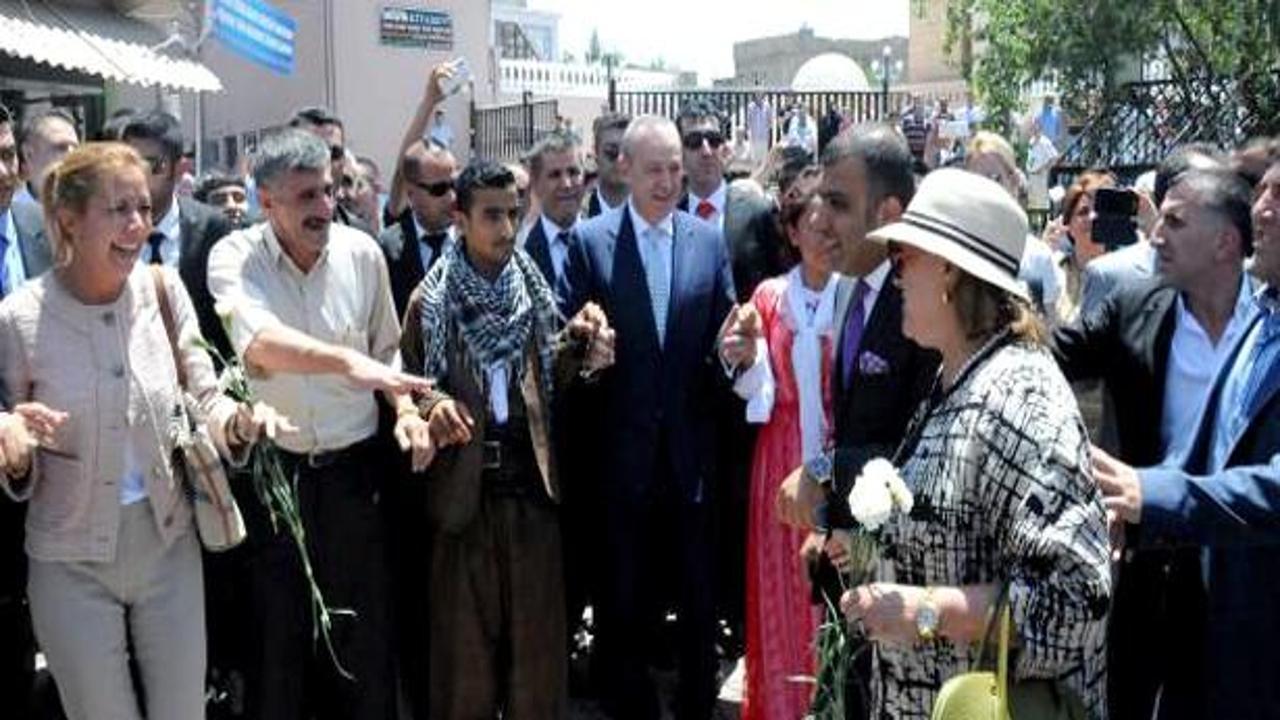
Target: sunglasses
{"type": "Point", "coordinates": [694, 138]}
{"type": "Point", "coordinates": [435, 189]}
{"type": "Point", "coordinates": [337, 152]}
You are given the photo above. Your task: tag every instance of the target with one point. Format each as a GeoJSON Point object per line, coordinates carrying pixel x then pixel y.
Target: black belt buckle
{"type": "Point", "coordinates": [491, 454]}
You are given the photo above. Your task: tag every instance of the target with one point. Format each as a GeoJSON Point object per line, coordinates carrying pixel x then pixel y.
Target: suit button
{"type": "Point", "coordinates": [168, 521]}
{"type": "Point", "coordinates": [117, 371]}
{"type": "Point", "coordinates": [108, 318]}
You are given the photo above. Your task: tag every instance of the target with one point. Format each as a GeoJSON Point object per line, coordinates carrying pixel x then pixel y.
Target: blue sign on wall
{"type": "Point", "coordinates": [255, 30]}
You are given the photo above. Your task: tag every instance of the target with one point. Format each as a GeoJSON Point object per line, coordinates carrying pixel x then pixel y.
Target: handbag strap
{"type": "Point", "coordinates": [170, 327]}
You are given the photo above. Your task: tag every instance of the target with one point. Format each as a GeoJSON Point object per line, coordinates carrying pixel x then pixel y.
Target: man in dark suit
{"type": "Point", "coordinates": [662, 278]}
{"type": "Point", "coordinates": [183, 230]}
{"type": "Point", "coordinates": [555, 178]}
{"type": "Point", "coordinates": [23, 255]}
{"type": "Point", "coordinates": [1156, 345]}
{"type": "Point", "coordinates": [322, 123]}
{"type": "Point", "coordinates": [424, 230]}
{"type": "Point", "coordinates": [611, 188]}
{"type": "Point", "coordinates": [880, 376]}
{"type": "Point", "coordinates": [1223, 498]}
{"type": "Point", "coordinates": [753, 239]}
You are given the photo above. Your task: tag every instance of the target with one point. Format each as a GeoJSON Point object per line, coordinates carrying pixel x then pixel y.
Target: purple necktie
{"type": "Point", "coordinates": [853, 327]}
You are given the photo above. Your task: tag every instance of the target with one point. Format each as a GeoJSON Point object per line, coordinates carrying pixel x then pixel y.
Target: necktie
{"type": "Point", "coordinates": [561, 284]}
{"type": "Point", "coordinates": [155, 240]}
{"type": "Point", "coordinates": [853, 328]}
{"type": "Point", "coordinates": [706, 209]}
{"type": "Point", "coordinates": [435, 241]}
{"type": "Point", "coordinates": [4, 265]}
{"type": "Point", "coordinates": [657, 272]}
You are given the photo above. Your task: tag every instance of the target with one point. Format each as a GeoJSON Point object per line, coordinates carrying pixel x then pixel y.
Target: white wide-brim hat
{"type": "Point", "coordinates": [969, 221]}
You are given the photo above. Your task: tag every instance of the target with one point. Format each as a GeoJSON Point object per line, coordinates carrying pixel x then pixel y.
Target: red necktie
{"type": "Point", "coordinates": [706, 209]}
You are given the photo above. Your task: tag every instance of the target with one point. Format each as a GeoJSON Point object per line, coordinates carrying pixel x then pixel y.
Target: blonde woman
{"type": "Point", "coordinates": [88, 373]}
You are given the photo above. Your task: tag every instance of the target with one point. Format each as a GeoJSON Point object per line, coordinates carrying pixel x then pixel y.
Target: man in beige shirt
{"type": "Point", "coordinates": [310, 313]}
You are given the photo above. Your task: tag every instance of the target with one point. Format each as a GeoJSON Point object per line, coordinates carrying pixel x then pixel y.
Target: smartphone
{"type": "Point", "coordinates": [461, 78]}
{"type": "Point", "coordinates": [1115, 217]}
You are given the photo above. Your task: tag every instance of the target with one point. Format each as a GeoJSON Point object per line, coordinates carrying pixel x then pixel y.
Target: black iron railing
{"type": "Point", "coordinates": [506, 132]}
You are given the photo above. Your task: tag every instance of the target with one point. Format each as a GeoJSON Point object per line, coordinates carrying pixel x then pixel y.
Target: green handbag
{"type": "Point", "coordinates": [986, 695]}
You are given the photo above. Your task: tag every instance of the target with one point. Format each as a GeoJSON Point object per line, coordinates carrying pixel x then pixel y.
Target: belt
{"type": "Point", "coordinates": [327, 458]}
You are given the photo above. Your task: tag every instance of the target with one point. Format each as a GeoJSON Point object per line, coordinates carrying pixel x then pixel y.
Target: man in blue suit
{"type": "Point", "coordinates": [1224, 496]}
{"type": "Point", "coordinates": [663, 278]}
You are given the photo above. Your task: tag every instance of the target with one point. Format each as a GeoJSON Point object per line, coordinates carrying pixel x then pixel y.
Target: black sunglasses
{"type": "Point", "coordinates": [435, 189]}
{"type": "Point", "coordinates": [336, 152]}
{"type": "Point", "coordinates": [694, 138]}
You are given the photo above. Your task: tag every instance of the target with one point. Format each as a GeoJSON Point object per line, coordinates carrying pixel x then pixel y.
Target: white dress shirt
{"type": "Point", "coordinates": [14, 272]}
{"type": "Point", "coordinates": [604, 204]}
{"type": "Point", "coordinates": [559, 250]}
{"type": "Point", "coordinates": [171, 247]}
{"type": "Point", "coordinates": [655, 244]}
{"type": "Point", "coordinates": [717, 200]}
{"type": "Point", "coordinates": [425, 253]}
{"type": "Point", "coordinates": [1193, 363]}
{"type": "Point", "coordinates": [875, 283]}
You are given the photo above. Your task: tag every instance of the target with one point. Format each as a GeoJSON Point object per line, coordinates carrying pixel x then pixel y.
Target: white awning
{"type": "Point", "coordinates": [98, 42]}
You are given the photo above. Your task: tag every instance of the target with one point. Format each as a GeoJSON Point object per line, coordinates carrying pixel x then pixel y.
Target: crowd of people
{"type": "Point", "coordinates": [526, 404]}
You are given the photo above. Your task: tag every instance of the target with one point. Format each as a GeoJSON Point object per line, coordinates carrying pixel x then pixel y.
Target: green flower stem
{"type": "Point", "coordinates": [278, 493]}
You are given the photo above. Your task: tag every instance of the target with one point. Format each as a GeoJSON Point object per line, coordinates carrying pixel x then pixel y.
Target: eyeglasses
{"type": "Point", "coordinates": [337, 152]}
{"type": "Point", "coordinates": [156, 163]}
{"type": "Point", "coordinates": [694, 138]}
{"type": "Point", "coordinates": [435, 189]}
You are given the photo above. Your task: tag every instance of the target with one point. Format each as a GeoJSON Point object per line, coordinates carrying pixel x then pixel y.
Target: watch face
{"type": "Point", "coordinates": [926, 619]}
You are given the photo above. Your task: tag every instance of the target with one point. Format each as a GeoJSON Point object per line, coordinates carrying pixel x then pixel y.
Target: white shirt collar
{"type": "Point", "coordinates": [716, 198]}
{"type": "Point", "coordinates": [418, 228]}
{"type": "Point", "coordinates": [666, 224]}
{"type": "Point", "coordinates": [169, 223]}
{"type": "Point", "coordinates": [1239, 314]}
{"type": "Point", "coordinates": [552, 230]}
{"type": "Point", "coordinates": [604, 204]}
{"type": "Point", "coordinates": [875, 279]}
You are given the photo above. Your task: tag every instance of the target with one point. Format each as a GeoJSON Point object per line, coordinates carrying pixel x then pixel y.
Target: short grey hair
{"type": "Point", "coordinates": [554, 142]}
{"type": "Point", "coordinates": [286, 151]}
{"type": "Point", "coordinates": [647, 125]}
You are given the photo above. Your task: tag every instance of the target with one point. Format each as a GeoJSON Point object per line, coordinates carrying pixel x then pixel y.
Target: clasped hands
{"type": "Point", "coordinates": [32, 425]}
{"type": "Point", "coordinates": [451, 422]}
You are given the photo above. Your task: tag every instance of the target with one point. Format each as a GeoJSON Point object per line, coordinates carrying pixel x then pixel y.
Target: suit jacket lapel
{"type": "Point", "coordinates": [1197, 458]}
{"type": "Point", "coordinates": [631, 281]}
{"type": "Point", "coordinates": [844, 298]}
{"type": "Point", "coordinates": [1161, 306]}
{"type": "Point", "coordinates": [682, 260]}
{"type": "Point", "coordinates": [537, 246]}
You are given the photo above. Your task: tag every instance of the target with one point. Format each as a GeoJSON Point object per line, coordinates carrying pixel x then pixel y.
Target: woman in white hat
{"type": "Point", "coordinates": [997, 460]}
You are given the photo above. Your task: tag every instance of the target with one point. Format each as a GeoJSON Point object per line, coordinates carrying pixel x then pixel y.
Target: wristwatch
{"type": "Point", "coordinates": [818, 469]}
{"type": "Point", "coordinates": [927, 617]}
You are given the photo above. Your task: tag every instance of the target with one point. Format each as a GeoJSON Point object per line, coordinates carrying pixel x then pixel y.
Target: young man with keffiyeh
{"type": "Point", "coordinates": [490, 336]}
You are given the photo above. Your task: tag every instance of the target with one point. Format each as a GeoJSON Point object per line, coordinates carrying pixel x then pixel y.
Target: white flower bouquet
{"type": "Point", "coordinates": [877, 494]}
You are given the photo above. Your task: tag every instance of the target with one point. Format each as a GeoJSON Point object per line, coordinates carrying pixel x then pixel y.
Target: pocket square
{"type": "Point", "coordinates": [870, 363]}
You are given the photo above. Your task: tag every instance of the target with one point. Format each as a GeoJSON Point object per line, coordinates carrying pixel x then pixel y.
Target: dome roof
{"type": "Point", "coordinates": [830, 71]}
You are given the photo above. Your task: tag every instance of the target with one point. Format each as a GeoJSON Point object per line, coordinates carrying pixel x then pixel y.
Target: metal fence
{"type": "Point", "coordinates": [505, 132]}
{"type": "Point", "coordinates": [859, 106]}
{"type": "Point", "coordinates": [1150, 119]}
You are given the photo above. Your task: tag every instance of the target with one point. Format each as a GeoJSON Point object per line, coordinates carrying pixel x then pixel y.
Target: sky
{"type": "Point", "coordinates": [699, 34]}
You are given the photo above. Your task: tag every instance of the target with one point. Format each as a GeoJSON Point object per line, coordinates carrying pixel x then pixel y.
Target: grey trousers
{"type": "Point", "coordinates": [87, 614]}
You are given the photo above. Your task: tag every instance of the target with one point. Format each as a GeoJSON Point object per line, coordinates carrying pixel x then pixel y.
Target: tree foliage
{"type": "Point", "coordinates": [1091, 47]}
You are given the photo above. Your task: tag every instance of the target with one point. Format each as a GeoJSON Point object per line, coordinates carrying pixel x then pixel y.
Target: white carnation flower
{"type": "Point", "coordinates": [878, 491]}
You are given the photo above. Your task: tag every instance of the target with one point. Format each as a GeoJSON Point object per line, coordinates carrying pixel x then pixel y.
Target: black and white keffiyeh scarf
{"type": "Point", "coordinates": [494, 320]}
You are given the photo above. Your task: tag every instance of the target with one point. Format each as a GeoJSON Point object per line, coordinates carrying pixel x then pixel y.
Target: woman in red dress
{"type": "Point", "coordinates": [791, 396]}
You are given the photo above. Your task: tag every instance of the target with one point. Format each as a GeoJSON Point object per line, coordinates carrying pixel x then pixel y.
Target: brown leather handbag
{"type": "Point", "coordinates": [218, 520]}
